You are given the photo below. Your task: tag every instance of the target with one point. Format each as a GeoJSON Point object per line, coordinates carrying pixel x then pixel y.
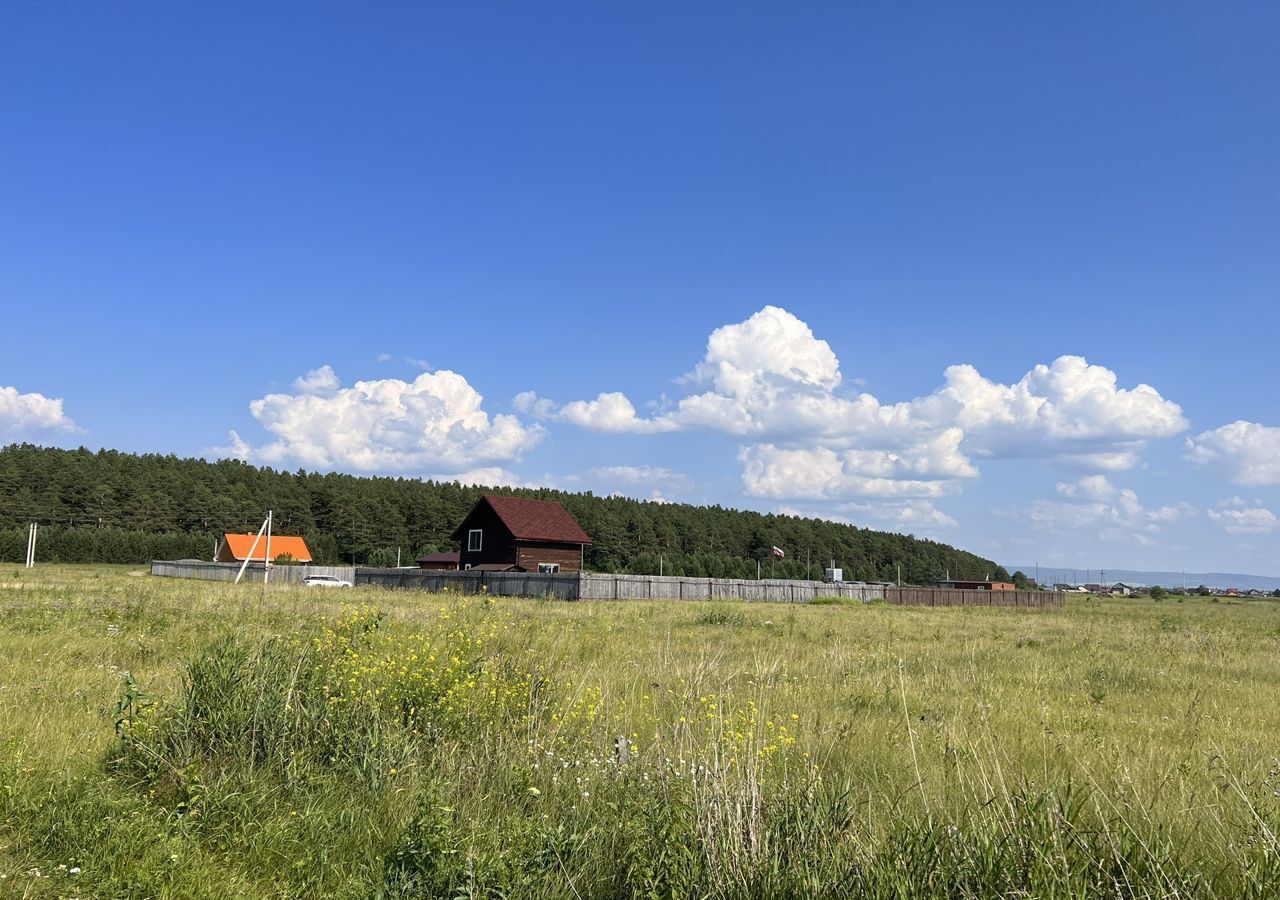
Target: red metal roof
{"type": "Point", "coordinates": [534, 520]}
{"type": "Point", "coordinates": [240, 544]}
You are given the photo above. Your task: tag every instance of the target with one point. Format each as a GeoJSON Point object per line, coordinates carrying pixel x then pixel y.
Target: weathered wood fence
{"type": "Point", "coordinates": [220, 571]}
{"type": "Point", "coordinates": [921, 596]}
{"type": "Point", "coordinates": [599, 586]}
{"type": "Point", "coordinates": [596, 586]}
{"type": "Point", "coordinates": [500, 584]}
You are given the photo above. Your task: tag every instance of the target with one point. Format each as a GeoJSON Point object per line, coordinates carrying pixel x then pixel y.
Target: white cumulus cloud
{"type": "Point", "coordinates": [487, 476]}
{"type": "Point", "coordinates": [608, 412]}
{"type": "Point", "coordinates": [1066, 408]}
{"type": "Point", "coordinates": [822, 473]}
{"type": "Point", "coordinates": [436, 420]}
{"type": "Point", "coordinates": [1236, 515]}
{"type": "Point", "coordinates": [654, 482]}
{"type": "Point", "coordinates": [31, 413]}
{"type": "Point", "coordinates": [1095, 504]}
{"type": "Point", "coordinates": [918, 516]}
{"type": "Point", "coordinates": [772, 382]}
{"type": "Point", "coordinates": [1248, 452]}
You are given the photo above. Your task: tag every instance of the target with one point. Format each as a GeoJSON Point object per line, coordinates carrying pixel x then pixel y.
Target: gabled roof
{"type": "Point", "coordinates": [532, 520]}
{"type": "Point", "coordinates": [240, 545]}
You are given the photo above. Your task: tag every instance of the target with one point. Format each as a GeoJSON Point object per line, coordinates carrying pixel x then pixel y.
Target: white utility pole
{"type": "Point", "coordinates": [32, 532]}
{"type": "Point", "coordinates": [266, 559]}
{"type": "Point", "coordinates": [249, 555]}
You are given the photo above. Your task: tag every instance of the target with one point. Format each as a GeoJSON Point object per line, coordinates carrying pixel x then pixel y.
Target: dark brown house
{"type": "Point", "coordinates": [439, 562]}
{"type": "Point", "coordinates": [518, 535]}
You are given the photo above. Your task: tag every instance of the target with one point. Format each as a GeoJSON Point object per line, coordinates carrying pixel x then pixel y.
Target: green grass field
{"type": "Point", "coordinates": [164, 738]}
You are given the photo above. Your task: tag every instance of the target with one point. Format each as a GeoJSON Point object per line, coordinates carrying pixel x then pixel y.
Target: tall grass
{"type": "Point", "coordinates": [280, 743]}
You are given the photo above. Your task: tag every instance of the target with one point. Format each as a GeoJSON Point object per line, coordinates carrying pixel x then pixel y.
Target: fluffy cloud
{"type": "Point", "coordinates": [651, 482]}
{"type": "Point", "coordinates": [32, 413]}
{"type": "Point", "coordinates": [1247, 451]}
{"type": "Point", "coordinates": [323, 382]}
{"type": "Point", "coordinates": [486, 476]}
{"type": "Point", "coordinates": [641, 476]}
{"type": "Point", "coordinates": [1067, 408]}
{"type": "Point", "coordinates": [1090, 487]}
{"type": "Point", "coordinates": [1094, 503]}
{"type": "Point", "coordinates": [918, 516]}
{"type": "Point", "coordinates": [770, 381]}
{"type": "Point", "coordinates": [436, 420]}
{"type": "Point", "coordinates": [823, 473]}
{"type": "Point", "coordinates": [609, 412]}
{"type": "Point", "coordinates": [1238, 516]}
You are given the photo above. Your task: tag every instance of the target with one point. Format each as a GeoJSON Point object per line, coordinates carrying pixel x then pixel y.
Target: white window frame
{"type": "Point", "coordinates": [548, 568]}
{"type": "Point", "coordinates": [467, 567]}
{"type": "Point", "coordinates": [475, 540]}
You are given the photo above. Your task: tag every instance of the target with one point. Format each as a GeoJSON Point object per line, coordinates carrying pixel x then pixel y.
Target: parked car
{"type": "Point", "coordinates": [325, 581]}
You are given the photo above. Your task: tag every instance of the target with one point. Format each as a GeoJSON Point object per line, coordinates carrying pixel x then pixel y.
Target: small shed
{"type": "Point", "coordinates": [438, 562]}
{"type": "Point", "coordinates": [236, 547]}
{"type": "Point", "coordinates": [520, 535]}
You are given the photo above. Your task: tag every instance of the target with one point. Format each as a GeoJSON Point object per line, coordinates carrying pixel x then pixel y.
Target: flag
{"type": "Point", "coordinates": [778, 552]}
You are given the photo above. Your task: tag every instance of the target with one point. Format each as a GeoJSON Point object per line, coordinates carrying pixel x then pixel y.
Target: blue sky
{"type": "Point", "coordinates": [818, 253]}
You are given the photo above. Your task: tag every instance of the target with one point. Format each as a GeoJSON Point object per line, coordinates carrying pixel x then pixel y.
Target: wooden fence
{"type": "Point", "coordinates": [921, 596]}
{"type": "Point", "coordinates": [599, 586]}
{"type": "Point", "coordinates": [220, 571]}
{"type": "Point", "coordinates": [500, 584]}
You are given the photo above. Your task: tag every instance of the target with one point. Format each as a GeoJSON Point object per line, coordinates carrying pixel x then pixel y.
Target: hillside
{"type": "Point", "coordinates": [108, 506]}
{"type": "Point", "coordinates": [1050, 574]}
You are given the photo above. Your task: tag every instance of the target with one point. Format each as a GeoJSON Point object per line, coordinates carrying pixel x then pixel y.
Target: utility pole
{"type": "Point", "coordinates": [32, 532]}
{"type": "Point", "coordinates": [248, 556]}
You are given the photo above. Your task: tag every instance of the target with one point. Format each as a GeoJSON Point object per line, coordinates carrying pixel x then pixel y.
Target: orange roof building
{"type": "Point", "coordinates": [235, 547]}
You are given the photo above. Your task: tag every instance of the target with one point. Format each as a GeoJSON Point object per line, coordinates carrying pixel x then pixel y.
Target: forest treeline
{"type": "Point", "coordinates": [108, 506]}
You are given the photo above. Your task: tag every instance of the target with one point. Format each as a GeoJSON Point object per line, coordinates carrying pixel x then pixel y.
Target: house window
{"type": "Point", "coordinates": [475, 537]}
{"type": "Point", "coordinates": [467, 567]}
{"type": "Point", "coordinates": [548, 568]}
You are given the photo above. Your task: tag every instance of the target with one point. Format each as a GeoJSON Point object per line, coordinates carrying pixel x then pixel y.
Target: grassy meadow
{"type": "Point", "coordinates": [165, 738]}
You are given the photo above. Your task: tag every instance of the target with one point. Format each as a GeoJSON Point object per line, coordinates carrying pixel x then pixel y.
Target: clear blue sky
{"type": "Point", "coordinates": [199, 207]}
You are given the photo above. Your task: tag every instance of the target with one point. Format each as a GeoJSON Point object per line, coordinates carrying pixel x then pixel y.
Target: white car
{"type": "Point", "coordinates": [325, 581]}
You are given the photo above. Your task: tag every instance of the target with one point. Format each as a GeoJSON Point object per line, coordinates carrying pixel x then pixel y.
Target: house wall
{"type": "Point", "coordinates": [498, 545]}
{"type": "Point", "coordinates": [530, 553]}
